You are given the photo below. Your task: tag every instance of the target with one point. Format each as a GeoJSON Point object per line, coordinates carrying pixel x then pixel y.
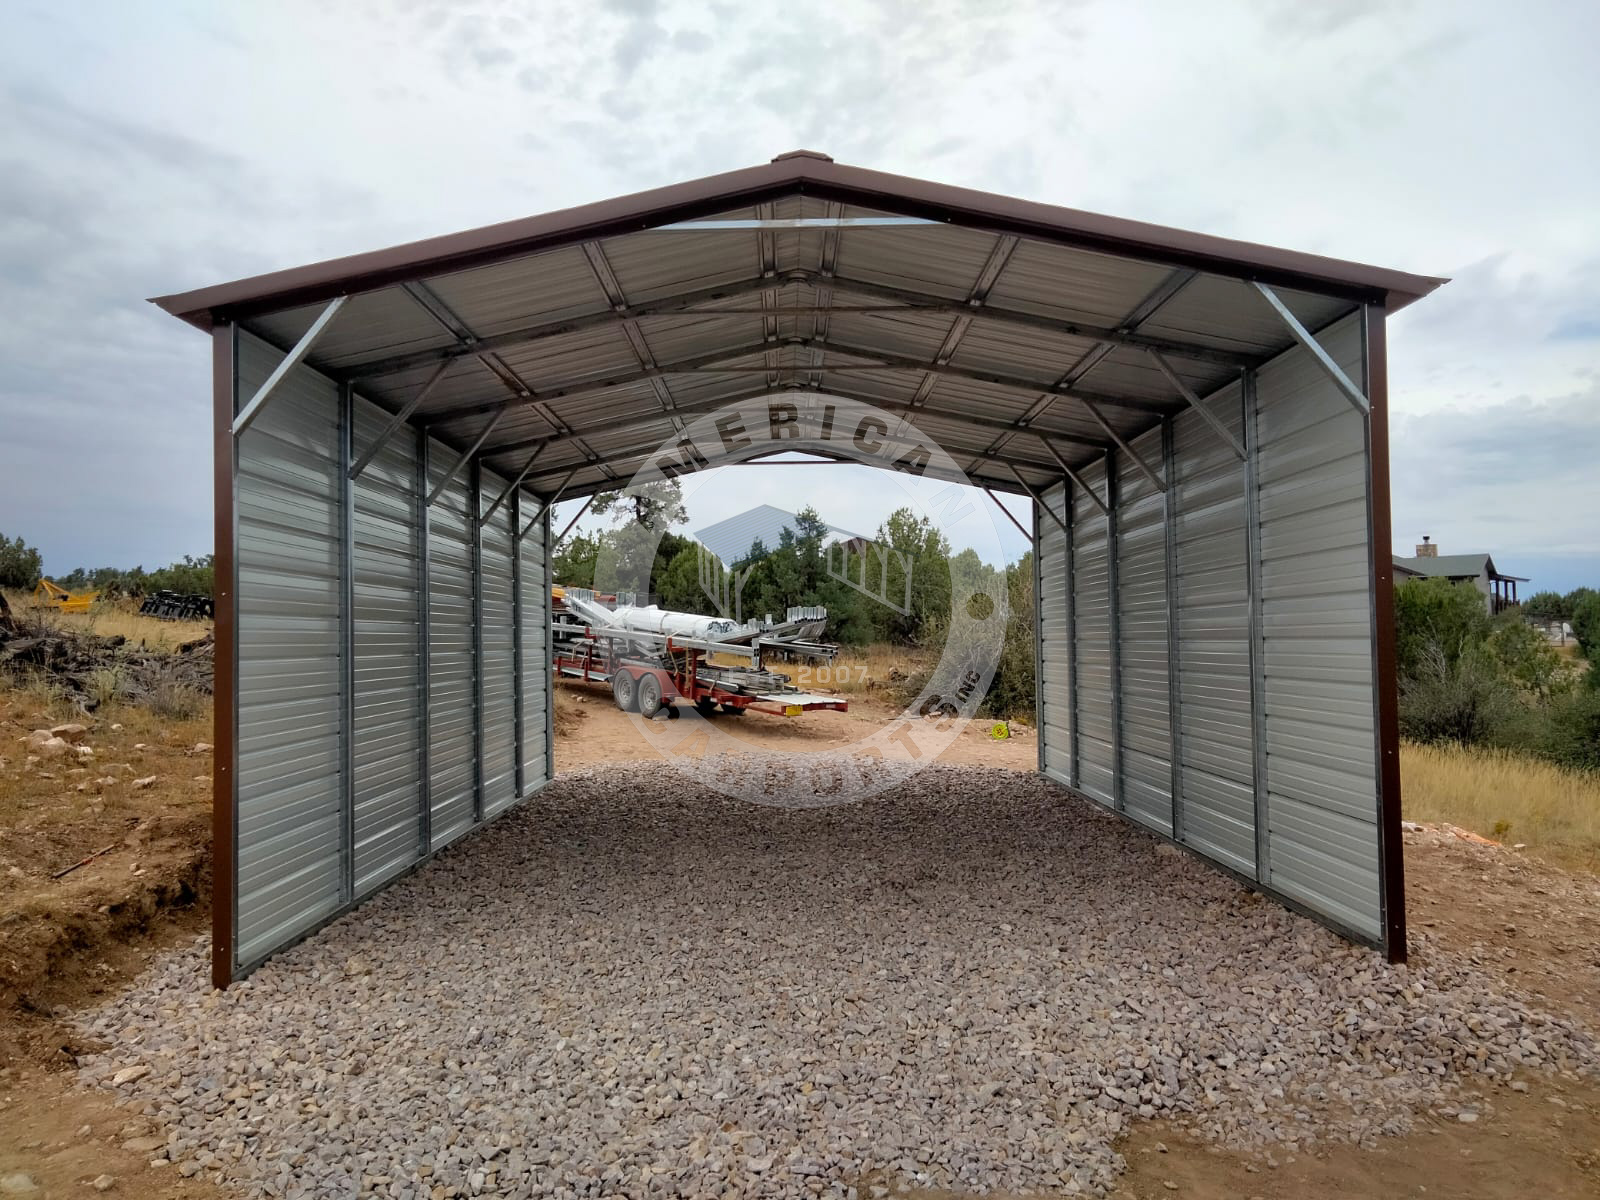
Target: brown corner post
{"type": "Point", "coordinates": [1388, 698]}
{"type": "Point", "coordinates": [223, 373]}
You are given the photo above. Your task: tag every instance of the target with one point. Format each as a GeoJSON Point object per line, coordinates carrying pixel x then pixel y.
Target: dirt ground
{"type": "Point", "coordinates": [65, 941]}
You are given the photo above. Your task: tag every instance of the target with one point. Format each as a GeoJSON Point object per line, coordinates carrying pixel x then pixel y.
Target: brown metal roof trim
{"type": "Point", "coordinates": [812, 174]}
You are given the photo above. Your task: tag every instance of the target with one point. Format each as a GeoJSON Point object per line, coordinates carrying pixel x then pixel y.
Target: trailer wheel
{"type": "Point", "coordinates": [623, 689]}
{"type": "Point", "coordinates": [648, 696]}
{"type": "Point", "coordinates": [705, 707]}
{"type": "Point", "coordinates": [733, 710]}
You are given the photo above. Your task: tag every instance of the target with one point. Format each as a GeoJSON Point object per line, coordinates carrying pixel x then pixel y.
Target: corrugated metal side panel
{"type": "Point", "coordinates": [388, 662]}
{"type": "Point", "coordinates": [1322, 847]}
{"type": "Point", "coordinates": [536, 766]}
{"type": "Point", "coordinates": [1091, 602]}
{"type": "Point", "coordinates": [497, 689]}
{"type": "Point", "coordinates": [451, 696]}
{"type": "Point", "coordinates": [1142, 586]}
{"type": "Point", "coordinates": [290, 800]}
{"type": "Point", "coordinates": [1217, 777]}
{"type": "Point", "coordinates": [1055, 647]}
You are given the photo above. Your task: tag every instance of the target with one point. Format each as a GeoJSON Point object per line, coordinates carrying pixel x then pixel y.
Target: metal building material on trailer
{"type": "Point", "coordinates": [1216, 654]}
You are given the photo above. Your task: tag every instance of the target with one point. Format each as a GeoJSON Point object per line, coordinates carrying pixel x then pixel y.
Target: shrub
{"type": "Point", "coordinates": [20, 563]}
{"type": "Point", "coordinates": [1572, 731]}
{"type": "Point", "coordinates": [1464, 699]}
{"type": "Point", "coordinates": [1435, 614]}
{"type": "Point", "coordinates": [103, 684]}
{"type": "Point", "coordinates": [1546, 606]}
{"type": "Point", "coordinates": [1586, 625]}
{"type": "Point", "coordinates": [175, 701]}
{"type": "Point", "coordinates": [1529, 660]}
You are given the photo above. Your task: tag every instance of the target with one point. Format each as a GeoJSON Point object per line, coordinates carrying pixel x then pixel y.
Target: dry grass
{"type": "Point", "coordinates": [854, 672]}
{"type": "Point", "coordinates": [114, 618]}
{"type": "Point", "coordinates": [1507, 797]}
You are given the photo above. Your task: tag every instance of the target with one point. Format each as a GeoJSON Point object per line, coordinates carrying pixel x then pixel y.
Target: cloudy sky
{"type": "Point", "coordinates": [151, 148]}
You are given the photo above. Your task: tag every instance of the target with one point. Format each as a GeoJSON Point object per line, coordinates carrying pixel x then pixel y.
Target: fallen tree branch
{"type": "Point", "coordinates": [83, 862]}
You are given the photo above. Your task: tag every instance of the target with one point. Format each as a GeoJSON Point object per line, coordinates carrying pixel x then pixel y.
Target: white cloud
{"type": "Point", "coordinates": [150, 150]}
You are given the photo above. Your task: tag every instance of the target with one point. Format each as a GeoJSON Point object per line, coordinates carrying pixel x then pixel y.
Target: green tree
{"type": "Point", "coordinates": [1435, 613]}
{"type": "Point", "coordinates": [20, 564]}
{"type": "Point", "coordinates": [573, 562]}
{"type": "Point", "coordinates": [1529, 660]}
{"type": "Point", "coordinates": [1586, 627]}
{"type": "Point", "coordinates": [1574, 597]}
{"type": "Point", "coordinates": [1546, 606]}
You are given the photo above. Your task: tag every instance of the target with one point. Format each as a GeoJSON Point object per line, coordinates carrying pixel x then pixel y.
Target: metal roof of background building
{"type": "Point", "coordinates": [1454, 566]}
{"type": "Point", "coordinates": [732, 538]}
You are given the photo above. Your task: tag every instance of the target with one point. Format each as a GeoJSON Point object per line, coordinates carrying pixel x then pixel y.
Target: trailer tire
{"type": "Point", "coordinates": [648, 696]}
{"type": "Point", "coordinates": [624, 691]}
{"type": "Point", "coordinates": [705, 707]}
{"type": "Point", "coordinates": [733, 710]}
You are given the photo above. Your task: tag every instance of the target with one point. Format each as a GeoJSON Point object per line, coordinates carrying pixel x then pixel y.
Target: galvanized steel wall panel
{"type": "Point", "coordinates": [387, 754]}
{"type": "Point", "coordinates": [289, 824]}
{"type": "Point", "coordinates": [1217, 769]}
{"type": "Point", "coordinates": [452, 691]}
{"type": "Point", "coordinates": [1142, 631]}
{"type": "Point", "coordinates": [1054, 718]}
{"type": "Point", "coordinates": [1322, 803]}
{"type": "Point", "coordinates": [1091, 601]}
{"type": "Point", "coordinates": [537, 767]}
{"type": "Point", "coordinates": [497, 670]}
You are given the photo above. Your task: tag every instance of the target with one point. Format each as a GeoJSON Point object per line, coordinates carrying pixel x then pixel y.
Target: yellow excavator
{"type": "Point", "coordinates": [49, 595]}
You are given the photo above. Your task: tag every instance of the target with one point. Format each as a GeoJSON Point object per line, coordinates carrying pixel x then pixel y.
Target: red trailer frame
{"type": "Point", "coordinates": [592, 667]}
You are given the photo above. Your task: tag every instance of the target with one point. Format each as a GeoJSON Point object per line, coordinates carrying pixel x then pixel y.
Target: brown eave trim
{"type": "Point", "coordinates": [810, 176]}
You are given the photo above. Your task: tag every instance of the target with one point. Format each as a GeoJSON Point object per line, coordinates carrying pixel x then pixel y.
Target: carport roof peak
{"type": "Point", "coordinates": [799, 172]}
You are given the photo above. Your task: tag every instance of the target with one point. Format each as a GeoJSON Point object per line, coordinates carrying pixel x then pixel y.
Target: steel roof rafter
{"type": "Point", "coordinates": [607, 279]}
{"type": "Point", "coordinates": [644, 449]}
{"type": "Point", "coordinates": [891, 406]}
{"type": "Point", "coordinates": [827, 260]}
{"type": "Point", "coordinates": [441, 312]}
{"type": "Point", "coordinates": [1077, 329]}
{"type": "Point", "coordinates": [1164, 291]}
{"type": "Point", "coordinates": [713, 363]}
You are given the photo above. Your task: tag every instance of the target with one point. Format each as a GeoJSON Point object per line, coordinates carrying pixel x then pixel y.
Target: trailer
{"type": "Point", "coordinates": [654, 658]}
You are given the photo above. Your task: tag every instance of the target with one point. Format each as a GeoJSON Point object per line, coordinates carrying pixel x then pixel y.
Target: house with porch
{"type": "Point", "coordinates": [1499, 590]}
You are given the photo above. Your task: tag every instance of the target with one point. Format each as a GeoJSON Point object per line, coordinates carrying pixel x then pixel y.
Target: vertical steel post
{"type": "Point", "coordinates": [1391, 854]}
{"type": "Point", "coordinates": [1257, 632]}
{"type": "Point", "coordinates": [347, 647]}
{"type": "Point", "coordinates": [474, 510]}
{"type": "Point", "coordinates": [1114, 594]}
{"type": "Point", "coordinates": [1074, 774]}
{"type": "Point", "coordinates": [424, 646]}
{"type": "Point", "coordinates": [1169, 520]}
{"type": "Point", "coordinates": [225, 711]}
{"type": "Point", "coordinates": [549, 649]}
{"type": "Point", "coordinates": [514, 516]}
{"type": "Point", "coordinates": [1038, 644]}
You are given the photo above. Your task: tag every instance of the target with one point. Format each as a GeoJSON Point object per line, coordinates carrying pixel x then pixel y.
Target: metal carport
{"type": "Point", "coordinates": [1200, 422]}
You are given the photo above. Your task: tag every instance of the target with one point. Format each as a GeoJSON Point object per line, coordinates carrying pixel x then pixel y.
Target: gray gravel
{"type": "Point", "coordinates": [972, 981]}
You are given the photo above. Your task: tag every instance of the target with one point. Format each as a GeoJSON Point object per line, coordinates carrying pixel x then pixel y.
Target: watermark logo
{"type": "Point", "coordinates": [705, 743]}
{"type": "Point", "coordinates": [722, 585]}
{"type": "Point", "coordinates": [877, 587]}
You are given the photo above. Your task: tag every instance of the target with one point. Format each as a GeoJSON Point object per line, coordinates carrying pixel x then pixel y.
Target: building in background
{"type": "Point", "coordinates": [1499, 591]}
{"type": "Point", "coordinates": [732, 538]}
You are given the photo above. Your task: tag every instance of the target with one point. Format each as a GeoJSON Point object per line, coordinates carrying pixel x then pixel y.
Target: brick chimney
{"type": "Point", "coordinates": [1427, 549]}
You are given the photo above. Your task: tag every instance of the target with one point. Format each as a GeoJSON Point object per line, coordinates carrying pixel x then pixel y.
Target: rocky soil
{"type": "Point", "coordinates": [973, 981]}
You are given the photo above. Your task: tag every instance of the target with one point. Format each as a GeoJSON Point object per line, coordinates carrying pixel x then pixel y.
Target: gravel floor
{"type": "Point", "coordinates": [971, 981]}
